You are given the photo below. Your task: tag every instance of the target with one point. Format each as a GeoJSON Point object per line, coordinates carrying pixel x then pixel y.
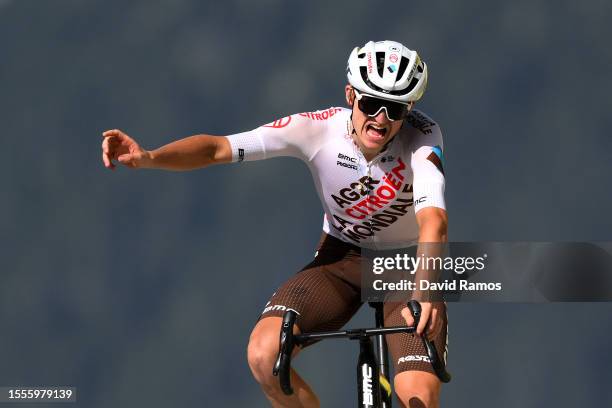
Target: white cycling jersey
{"type": "Point", "coordinates": [366, 203]}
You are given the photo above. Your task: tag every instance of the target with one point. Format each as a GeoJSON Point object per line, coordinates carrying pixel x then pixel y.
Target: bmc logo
{"type": "Point", "coordinates": [275, 308]}
{"type": "Point", "coordinates": [368, 397]}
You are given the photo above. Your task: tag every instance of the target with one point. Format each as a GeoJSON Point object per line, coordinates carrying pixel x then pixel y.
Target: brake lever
{"type": "Point", "coordinates": [436, 362]}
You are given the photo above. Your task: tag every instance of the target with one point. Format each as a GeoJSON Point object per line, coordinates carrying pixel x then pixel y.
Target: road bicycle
{"type": "Point", "coordinates": [374, 388]}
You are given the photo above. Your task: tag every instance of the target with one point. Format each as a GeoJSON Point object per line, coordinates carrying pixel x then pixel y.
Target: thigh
{"type": "Point", "coordinates": [322, 300]}
{"type": "Point", "coordinates": [407, 350]}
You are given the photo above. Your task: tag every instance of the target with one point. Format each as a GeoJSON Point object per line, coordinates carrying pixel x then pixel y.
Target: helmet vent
{"type": "Point", "coordinates": [362, 55]}
{"type": "Point", "coordinates": [380, 62]}
{"type": "Point", "coordinates": [402, 68]}
{"type": "Point", "coordinates": [412, 84]}
{"type": "Point", "coordinates": [364, 75]}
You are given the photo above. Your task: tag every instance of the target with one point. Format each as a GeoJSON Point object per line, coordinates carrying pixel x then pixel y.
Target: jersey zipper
{"type": "Point", "coordinates": [368, 173]}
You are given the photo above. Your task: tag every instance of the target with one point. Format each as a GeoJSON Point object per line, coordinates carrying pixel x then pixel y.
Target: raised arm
{"type": "Point", "coordinates": [190, 153]}
{"type": "Point", "coordinates": [297, 136]}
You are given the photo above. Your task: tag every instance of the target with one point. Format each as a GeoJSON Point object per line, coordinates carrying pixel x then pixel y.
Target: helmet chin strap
{"type": "Point", "coordinates": [353, 133]}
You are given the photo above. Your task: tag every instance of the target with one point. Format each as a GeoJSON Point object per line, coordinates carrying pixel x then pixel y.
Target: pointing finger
{"type": "Point", "coordinates": [105, 145]}
{"type": "Point", "coordinates": [107, 162]}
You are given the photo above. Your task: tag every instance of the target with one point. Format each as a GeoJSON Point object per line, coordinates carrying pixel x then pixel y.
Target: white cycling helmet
{"type": "Point", "coordinates": [387, 70]}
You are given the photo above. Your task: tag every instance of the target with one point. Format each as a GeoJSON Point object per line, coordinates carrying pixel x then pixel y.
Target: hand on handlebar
{"type": "Point", "coordinates": [430, 321]}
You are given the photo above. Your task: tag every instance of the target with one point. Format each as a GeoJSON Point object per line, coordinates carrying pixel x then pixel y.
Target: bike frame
{"type": "Point", "coordinates": [372, 365]}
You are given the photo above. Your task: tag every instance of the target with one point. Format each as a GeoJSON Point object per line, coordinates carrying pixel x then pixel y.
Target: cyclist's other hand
{"type": "Point", "coordinates": [118, 146]}
{"type": "Point", "coordinates": [430, 322]}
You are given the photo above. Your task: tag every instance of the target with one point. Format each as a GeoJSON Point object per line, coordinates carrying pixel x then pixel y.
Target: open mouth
{"type": "Point", "coordinates": [376, 132]}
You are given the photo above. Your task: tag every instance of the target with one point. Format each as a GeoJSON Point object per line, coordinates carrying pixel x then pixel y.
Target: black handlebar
{"type": "Point", "coordinates": [288, 341]}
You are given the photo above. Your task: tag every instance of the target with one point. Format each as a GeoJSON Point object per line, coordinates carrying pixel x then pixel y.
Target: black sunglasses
{"type": "Point", "coordinates": [371, 106]}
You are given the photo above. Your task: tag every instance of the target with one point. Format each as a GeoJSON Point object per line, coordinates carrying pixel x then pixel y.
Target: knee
{"type": "Point", "coordinates": [418, 399]}
{"type": "Point", "coordinates": [262, 352]}
{"type": "Point", "coordinates": [417, 391]}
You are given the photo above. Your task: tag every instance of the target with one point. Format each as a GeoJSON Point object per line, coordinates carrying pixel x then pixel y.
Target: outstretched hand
{"type": "Point", "coordinates": [430, 322]}
{"type": "Point", "coordinates": [118, 146]}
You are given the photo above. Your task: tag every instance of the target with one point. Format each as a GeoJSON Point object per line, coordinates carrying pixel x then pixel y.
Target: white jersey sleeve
{"type": "Point", "coordinates": [428, 169]}
{"type": "Point", "coordinates": [295, 136]}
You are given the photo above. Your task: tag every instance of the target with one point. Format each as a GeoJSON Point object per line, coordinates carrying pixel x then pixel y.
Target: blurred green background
{"type": "Point", "coordinates": [140, 287]}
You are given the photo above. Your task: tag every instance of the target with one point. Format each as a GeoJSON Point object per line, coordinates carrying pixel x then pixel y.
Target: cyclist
{"type": "Point", "coordinates": [370, 164]}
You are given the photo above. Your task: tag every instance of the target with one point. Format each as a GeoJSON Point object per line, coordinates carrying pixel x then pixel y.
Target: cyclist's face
{"type": "Point", "coordinates": [372, 132]}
